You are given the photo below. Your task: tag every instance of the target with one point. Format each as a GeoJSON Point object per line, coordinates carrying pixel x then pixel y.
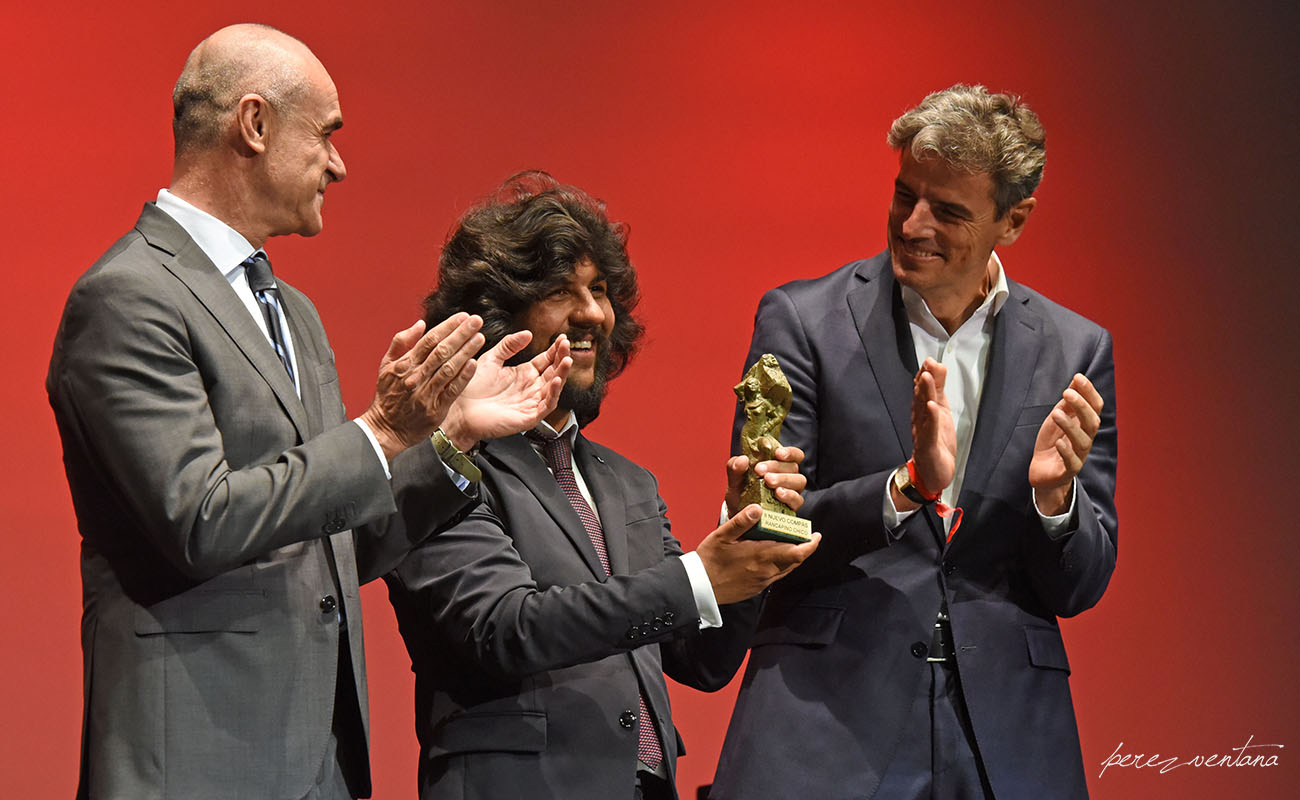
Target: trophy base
{"type": "Point", "coordinates": [777, 527]}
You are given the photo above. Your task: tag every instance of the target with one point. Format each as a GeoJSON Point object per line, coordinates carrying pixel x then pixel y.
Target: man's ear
{"type": "Point", "coordinates": [252, 117]}
{"type": "Point", "coordinates": [1015, 218]}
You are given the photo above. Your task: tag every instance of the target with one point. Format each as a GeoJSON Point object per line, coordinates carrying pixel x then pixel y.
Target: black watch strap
{"type": "Point", "coordinates": [903, 483]}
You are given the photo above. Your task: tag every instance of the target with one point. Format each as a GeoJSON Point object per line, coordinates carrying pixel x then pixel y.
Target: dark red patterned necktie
{"type": "Point", "coordinates": [559, 458]}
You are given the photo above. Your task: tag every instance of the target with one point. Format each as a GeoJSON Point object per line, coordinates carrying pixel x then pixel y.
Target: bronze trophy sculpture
{"type": "Point", "coordinates": [766, 395]}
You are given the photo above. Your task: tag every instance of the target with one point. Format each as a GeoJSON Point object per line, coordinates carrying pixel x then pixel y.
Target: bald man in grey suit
{"type": "Point", "coordinates": [228, 511]}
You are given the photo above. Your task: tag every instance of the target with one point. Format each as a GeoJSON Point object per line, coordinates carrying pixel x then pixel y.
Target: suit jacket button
{"type": "Point", "coordinates": [919, 650]}
{"type": "Point", "coordinates": [949, 568]}
{"type": "Point", "coordinates": [627, 719]}
{"type": "Point", "coordinates": [668, 618]}
{"type": "Point", "coordinates": [333, 526]}
{"type": "Point", "coordinates": [328, 604]}
{"type": "Point", "coordinates": [633, 632]}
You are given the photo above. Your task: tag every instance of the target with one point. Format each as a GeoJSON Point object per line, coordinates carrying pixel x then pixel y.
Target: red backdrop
{"type": "Point", "coordinates": [745, 147]}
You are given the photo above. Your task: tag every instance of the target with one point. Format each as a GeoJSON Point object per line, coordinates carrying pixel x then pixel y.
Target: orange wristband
{"type": "Point", "coordinates": [944, 510]}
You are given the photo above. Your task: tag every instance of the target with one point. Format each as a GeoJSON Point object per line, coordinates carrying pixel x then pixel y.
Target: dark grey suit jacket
{"type": "Point", "coordinates": [215, 510]}
{"type": "Point", "coordinates": [528, 658]}
{"type": "Point", "coordinates": [838, 657]}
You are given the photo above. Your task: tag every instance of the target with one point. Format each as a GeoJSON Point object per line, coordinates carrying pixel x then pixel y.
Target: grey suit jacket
{"type": "Point", "coordinates": [840, 651]}
{"type": "Point", "coordinates": [528, 658]}
{"type": "Point", "coordinates": [215, 510]}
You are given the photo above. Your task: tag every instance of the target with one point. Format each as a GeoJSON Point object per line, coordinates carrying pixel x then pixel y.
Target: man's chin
{"type": "Point", "coordinates": [583, 401]}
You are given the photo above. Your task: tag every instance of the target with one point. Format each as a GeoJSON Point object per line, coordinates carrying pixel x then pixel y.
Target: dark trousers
{"type": "Point", "coordinates": [937, 758]}
{"type": "Point", "coordinates": [652, 787]}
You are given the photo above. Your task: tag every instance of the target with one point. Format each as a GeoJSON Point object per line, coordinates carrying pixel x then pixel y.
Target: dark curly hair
{"type": "Point", "coordinates": [521, 243]}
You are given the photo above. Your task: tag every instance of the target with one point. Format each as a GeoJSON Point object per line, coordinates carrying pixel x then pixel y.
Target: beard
{"type": "Point", "coordinates": [583, 401]}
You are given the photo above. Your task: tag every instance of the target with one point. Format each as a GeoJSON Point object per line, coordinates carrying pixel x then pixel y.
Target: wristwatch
{"type": "Point", "coordinates": [903, 483]}
{"type": "Point", "coordinates": [454, 458]}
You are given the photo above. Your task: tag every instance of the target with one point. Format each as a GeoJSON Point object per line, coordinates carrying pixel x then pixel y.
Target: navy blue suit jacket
{"type": "Point", "coordinates": [833, 668]}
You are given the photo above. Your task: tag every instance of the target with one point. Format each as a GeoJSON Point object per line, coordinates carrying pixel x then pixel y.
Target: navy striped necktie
{"type": "Point", "coordinates": [262, 282]}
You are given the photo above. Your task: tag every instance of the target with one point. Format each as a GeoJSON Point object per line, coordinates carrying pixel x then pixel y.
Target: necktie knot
{"type": "Point", "coordinates": [258, 270]}
{"type": "Point", "coordinates": [556, 451]}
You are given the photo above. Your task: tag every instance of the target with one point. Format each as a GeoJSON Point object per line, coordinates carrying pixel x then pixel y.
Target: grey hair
{"type": "Point", "coordinates": [975, 130]}
{"type": "Point", "coordinates": [216, 75]}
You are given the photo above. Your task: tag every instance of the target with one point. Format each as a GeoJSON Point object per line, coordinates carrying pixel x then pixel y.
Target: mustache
{"type": "Point", "coordinates": [597, 335]}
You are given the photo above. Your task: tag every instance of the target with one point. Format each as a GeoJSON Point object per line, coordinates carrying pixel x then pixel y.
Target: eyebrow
{"type": "Point", "coordinates": [956, 209]}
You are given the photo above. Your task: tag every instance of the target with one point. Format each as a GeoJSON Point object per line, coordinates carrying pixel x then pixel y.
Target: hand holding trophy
{"type": "Point", "coordinates": [766, 395]}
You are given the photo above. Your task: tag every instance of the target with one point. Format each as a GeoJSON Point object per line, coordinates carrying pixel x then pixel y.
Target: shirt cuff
{"type": "Point", "coordinates": [379, 451]}
{"type": "Point", "coordinates": [891, 516]}
{"type": "Point", "coordinates": [705, 602]}
{"type": "Point", "coordinates": [461, 481]}
{"type": "Point", "coordinates": [1055, 525]}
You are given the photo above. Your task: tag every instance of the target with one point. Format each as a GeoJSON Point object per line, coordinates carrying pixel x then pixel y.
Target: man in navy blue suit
{"type": "Point", "coordinates": [960, 440]}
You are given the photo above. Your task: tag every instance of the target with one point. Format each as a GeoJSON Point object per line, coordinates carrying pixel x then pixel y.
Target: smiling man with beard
{"type": "Point", "coordinates": [540, 627]}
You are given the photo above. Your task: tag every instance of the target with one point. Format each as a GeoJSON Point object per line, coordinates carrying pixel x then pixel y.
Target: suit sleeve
{"type": "Point", "coordinates": [476, 590]}
{"type": "Point", "coordinates": [427, 501]}
{"type": "Point", "coordinates": [848, 512]}
{"type": "Point", "coordinates": [1071, 571]}
{"type": "Point", "coordinates": [130, 396]}
{"type": "Point", "coordinates": [708, 659]}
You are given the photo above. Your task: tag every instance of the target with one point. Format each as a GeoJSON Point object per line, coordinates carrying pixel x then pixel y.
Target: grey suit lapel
{"type": "Point", "coordinates": [188, 263]}
{"type": "Point", "coordinates": [1012, 359]}
{"type": "Point", "coordinates": [515, 454]}
{"type": "Point", "coordinates": [889, 347]}
{"type": "Point", "coordinates": [611, 504]}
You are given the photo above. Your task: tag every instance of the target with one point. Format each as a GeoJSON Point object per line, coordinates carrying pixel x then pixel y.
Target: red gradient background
{"type": "Point", "coordinates": [744, 145]}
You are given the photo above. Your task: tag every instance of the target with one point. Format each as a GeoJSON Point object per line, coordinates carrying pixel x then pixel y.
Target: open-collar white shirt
{"type": "Point", "coordinates": [965, 352]}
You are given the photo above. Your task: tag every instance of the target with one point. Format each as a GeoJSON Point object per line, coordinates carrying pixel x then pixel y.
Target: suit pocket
{"type": "Point", "coordinates": [492, 732]}
{"type": "Point", "coordinates": [646, 509]}
{"type": "Point", "coordinates": [1033, 415]}
{"type": "Point", "coordinates": [802, 625]}
{"type": "Point", "coordinates": [1046, 649]}
{"type": "Point", "coordinates": [331, 401]}
{"type": "Point", "coordinates": [204, 612]}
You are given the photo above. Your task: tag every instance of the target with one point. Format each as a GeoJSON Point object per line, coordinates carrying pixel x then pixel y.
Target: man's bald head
{"type": "Point", "coordinates": [233, 62]}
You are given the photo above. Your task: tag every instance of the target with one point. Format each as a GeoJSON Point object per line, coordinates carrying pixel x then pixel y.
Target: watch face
{"type": "Point", "coordinates": [901, 480]}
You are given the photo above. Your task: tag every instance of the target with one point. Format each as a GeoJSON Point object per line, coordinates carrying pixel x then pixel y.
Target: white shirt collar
{"type": "Point", "coordinates": [222, 244]}
{"type": "Point", "coordinates": [569, 428]}
{"type": "Point", "coordinates": [919, 313]}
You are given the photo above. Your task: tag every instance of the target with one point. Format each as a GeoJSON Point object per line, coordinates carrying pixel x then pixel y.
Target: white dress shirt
{"type": "Point", "coordinates": [965, 352]}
